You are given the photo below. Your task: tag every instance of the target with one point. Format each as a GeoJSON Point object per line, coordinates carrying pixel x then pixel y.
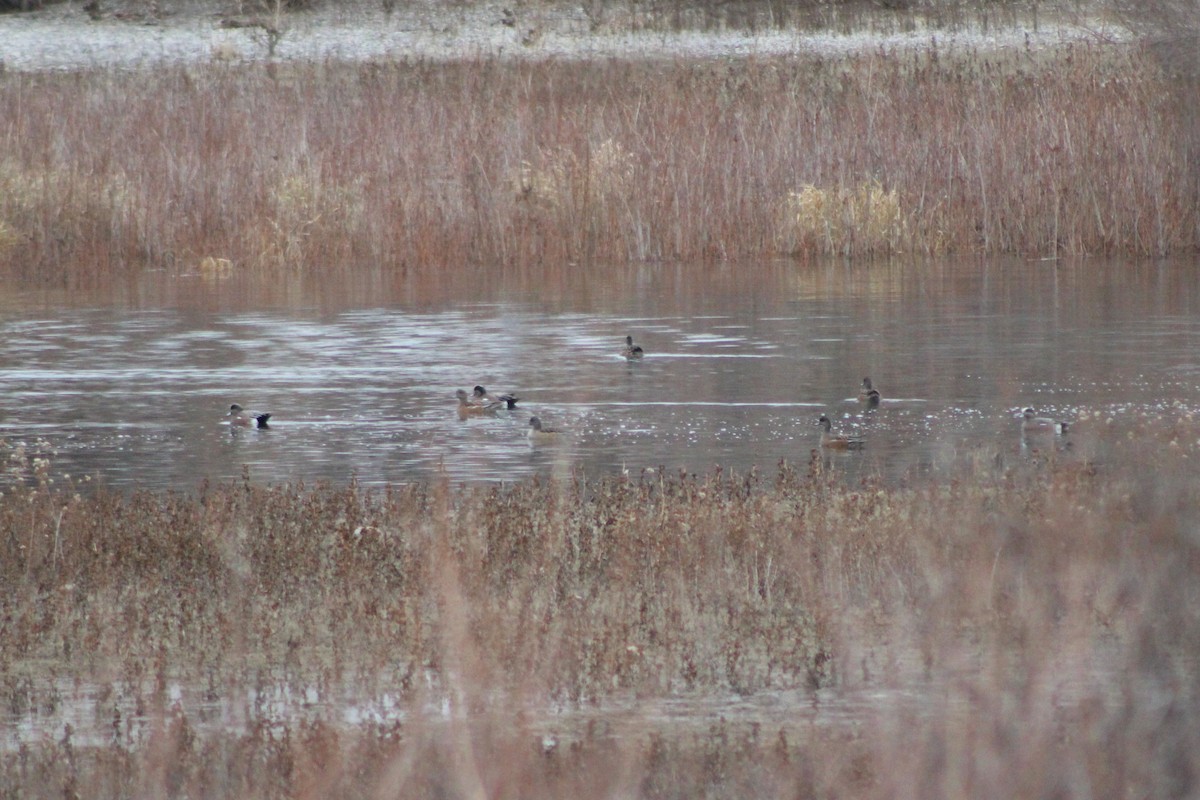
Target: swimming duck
{"type": "Point", "coordinates": [1032, 423]}
{"type": "Point", "coordinates": [837, 442]}
{"type": "Point", "coordinates": [483, 397]}
{"type": "Point", "coordinates": [869, 395]}
{"type": "Point", "coordinates": [467, 407]}
{"type": "Point", "coordinates": [241, 418]}
{"type": "Point", "coordinates": [632, 350]}
{"type": "Point", "coordinates": [539, 433]}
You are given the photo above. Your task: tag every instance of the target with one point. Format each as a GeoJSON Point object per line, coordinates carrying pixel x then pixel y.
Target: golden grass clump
{"type": "Point", "coordinates": [8, 236]}
{"type": "Point", "coordinates": [863, 220]}
{"type": "Point", "coordinates": [215, 268]}
{"type": "Point", "coordinates": [304, 211]}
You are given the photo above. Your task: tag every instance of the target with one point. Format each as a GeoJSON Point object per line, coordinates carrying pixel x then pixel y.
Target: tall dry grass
{"type": "Point", "coordinates": [1043, 613]}
{"type": "Point", "coordinates": [422, 166]}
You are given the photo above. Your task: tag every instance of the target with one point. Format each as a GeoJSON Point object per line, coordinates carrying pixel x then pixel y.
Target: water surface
{"type": "Point", "coordinates": [129, 386]}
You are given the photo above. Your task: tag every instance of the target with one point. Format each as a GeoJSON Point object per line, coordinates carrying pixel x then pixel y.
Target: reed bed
{"type": "Point", "coordinates": [1045, 611]}
{"type": "Point", "coordinates": [502, 164]}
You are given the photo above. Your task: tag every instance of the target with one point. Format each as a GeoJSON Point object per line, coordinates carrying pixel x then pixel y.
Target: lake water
{"type": "Point", "coordinates": [130, 385]}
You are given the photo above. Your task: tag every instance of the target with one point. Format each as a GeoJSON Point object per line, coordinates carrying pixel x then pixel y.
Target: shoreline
{"type": "Point", "coordinates": [63, 38]}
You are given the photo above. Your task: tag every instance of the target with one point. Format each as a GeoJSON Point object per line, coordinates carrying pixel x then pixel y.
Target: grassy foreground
{"type": "Point", "coordinates": [416, 166]}
{"type": "Point", "coordinates": [1048, 609]}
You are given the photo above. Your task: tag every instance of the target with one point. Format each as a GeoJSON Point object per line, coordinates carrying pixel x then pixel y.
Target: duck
{"type": "Point", "coordinates": [1032, 423]}
{"type": "Point", "coordinates": [241, 418]}
{"type": "Point", "coordinates": [539, 433]}
{"type": "Point", "coordinates": [828, 439]}
{"type": "Point", "coordinates": [632, 350]}
{"type": "Point", "coordinates": [467, 407]}
{"type": "Point", "coordinates": [483, 397]}
{"type": "Point", "coordinates": [869, 395]}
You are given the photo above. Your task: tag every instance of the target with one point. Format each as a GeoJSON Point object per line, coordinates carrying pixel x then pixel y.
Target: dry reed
{"type": "Point", "coordinates": [1046, 608]}
{"type": "Point", "coordinates": [494, 164]}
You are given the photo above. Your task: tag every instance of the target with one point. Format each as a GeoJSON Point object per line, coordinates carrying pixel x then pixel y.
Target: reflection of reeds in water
{"type": "Point", "coordinates": [1049, 607]}
{"type": "Point", "coordinates": [436, 166]}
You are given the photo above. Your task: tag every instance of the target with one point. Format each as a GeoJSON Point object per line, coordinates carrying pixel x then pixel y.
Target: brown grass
{"type": "Point", "coordinates": [1043, 611]}
{"type": "Point", "coordinates": [500, 164]}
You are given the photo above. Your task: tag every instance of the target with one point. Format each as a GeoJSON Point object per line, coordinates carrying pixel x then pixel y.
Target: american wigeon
{"type": "Point", "coordinates": [828, 439]}
{"type": "Point", "coordinates": [632, 350]}
{"type": "Point", "coordinates": [482, 396]}
{"type": "Point", "coordinates": [468, 407]}
{"type": "Point", "coordinates": [241, 418]}
{"type": "Point", "coordinates": [539, 433]}
{"type": "Point", "coordinates": [1032, 423]}
{"type": "Point", "coordinates": [869, 395]}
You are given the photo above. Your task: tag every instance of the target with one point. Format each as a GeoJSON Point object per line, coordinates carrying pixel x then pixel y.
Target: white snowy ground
{"type": "Point", "coordinates": [62, 37]}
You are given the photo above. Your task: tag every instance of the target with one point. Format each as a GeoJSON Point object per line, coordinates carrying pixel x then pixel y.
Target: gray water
{"type": "Point", "coordinates": [129, 386]}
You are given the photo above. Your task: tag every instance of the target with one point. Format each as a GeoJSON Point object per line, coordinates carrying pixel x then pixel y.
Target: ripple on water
{"type": "Point", "coordinates": [738, 380]}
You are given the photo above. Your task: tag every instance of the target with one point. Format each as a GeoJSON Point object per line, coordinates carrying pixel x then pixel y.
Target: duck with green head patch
{"type": "Point", "coordinates": [482, 396]}
{"type": "Point", "coordinates": [469, 408]}
{"type": "Point", "coordinates": [241, 418]}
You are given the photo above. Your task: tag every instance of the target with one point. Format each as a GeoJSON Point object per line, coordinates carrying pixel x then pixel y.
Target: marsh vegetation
{"type": "Point", "coordinates": [519, 639]}
{"type": "Point", "coordinates": [1042, 611]}
{"type": "Point", "coordinates": [493, 164]}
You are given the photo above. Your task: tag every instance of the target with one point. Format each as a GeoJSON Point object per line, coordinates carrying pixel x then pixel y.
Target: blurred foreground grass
{"type": "Point", "coordinates": [1044, 611]}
